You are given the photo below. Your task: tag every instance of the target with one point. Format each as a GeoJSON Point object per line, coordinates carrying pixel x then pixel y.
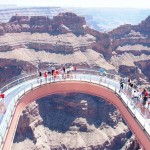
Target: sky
{"type": "Point", "coordinates": [81, 3]}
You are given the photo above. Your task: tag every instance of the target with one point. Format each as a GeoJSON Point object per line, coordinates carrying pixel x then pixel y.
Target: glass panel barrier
{"type": "Point", "coordinates": [29, 82]}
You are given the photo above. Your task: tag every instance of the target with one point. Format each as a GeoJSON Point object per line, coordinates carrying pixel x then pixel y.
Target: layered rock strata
{"type": "Point", "coordinates": [66, 38]}
{"type": "Point", "coordinates": [71, 121]}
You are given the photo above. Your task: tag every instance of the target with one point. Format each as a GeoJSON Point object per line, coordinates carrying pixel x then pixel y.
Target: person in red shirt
{"type": "Point", "coordinates": [2, 95]}
{"type": "Point", "coordinates": [45, 76]}
{"type": "Point", "coordinates": [75, 68]}
{"type": "Point", "coordinates": [145, 96]}
{"type": "Point", "coordinates": [56, 72]}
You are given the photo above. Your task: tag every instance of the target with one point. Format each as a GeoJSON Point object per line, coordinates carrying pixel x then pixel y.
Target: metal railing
{"type": "Point", "coordinates": [26, 83]}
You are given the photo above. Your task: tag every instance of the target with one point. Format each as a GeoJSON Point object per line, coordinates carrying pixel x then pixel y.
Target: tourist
{"type": "Point", "coordinates": [145, 96]}
{"type": "Point", "coordinates": [148, 102]}
{"type": "Point", "coordinates": [135, 97]}
{"type": "Point", "coordinates": [129, 80]}
{"type": "Point", "coordinates": [39, 79]}
{"type": "Point", "coordinates": [131, 84]}
{"type": "Point", "coordinates": [75, 68]}
{"type": "Point", "coordinates": [53, 69]}
{"type": "Point", "coordinates": [49, 69]}
{"type": "Point", "coordinates": [45, 76]}
{"type": "Point", "coordinates": [55, 74]}
{"type": "Point", "coordinates": [2, 96]}
{"type": "Point", "coordinates": [62, 71]}
{"type": "Point", "coordinates": [121, 85]}
{"type": "Point", "coordinates": [67, 71]}
{"type": "Point", "coordinates": [63, 68]}
{"type": "Point", "coordinates": [71, 68]}
{"type": "Point", "coordinates": [139, 95]}
{"type": "Point", "coordinates": [40, 73]}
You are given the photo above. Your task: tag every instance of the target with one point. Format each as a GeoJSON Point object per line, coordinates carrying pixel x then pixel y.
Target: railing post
{"type": "Point", "coordinates": [127, 102]}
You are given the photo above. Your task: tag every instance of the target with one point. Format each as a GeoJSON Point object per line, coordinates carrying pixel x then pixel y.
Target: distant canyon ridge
{"type": "Point", "coordinates": [66, 38]}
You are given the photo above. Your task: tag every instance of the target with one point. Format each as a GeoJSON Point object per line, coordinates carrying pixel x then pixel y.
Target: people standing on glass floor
{"type": "Point", "coordinates": [121, 85]}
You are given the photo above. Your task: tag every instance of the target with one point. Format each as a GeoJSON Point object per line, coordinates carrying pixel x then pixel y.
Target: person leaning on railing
{"type": "Point", "coordinates": [45, 76]}
{"type": "Point", "coordinates": [39, 79]}
{"type": "Point", "coordinates": [148, 101]}
{"type": "Point", "coordinates": [145, 96]}
{"type": "Point", "coordinates": [2, 95]}
{"type": "Point", "coordinates": [135, 96]}
{"type": "Point", "coordinates": [121, 84]}
{"type": "Point", "coordinates": [40, 73]}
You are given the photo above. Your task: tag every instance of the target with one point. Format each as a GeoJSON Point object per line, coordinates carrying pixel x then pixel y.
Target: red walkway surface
{"type": "Point", "coordinates": [82, 87]}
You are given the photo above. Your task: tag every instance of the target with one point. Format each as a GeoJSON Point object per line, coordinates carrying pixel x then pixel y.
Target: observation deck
{"type": "Point", "coordinates": [23, 90]}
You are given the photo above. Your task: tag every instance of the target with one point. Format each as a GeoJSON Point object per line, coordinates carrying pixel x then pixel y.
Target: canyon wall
{"type": "Point", "coordinates": [71, 121]}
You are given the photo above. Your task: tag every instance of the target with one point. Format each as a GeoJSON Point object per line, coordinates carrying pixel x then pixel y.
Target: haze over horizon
{"type": "Point", "coordinates": [81, 3]}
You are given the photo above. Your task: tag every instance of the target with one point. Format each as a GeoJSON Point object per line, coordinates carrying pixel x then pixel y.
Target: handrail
{"type": "Point", "coordinates": [22, 75]}
{"type": "Point", "coordinates": [17, 80]}
{"type": "Point", "coordinates": [31, 82]}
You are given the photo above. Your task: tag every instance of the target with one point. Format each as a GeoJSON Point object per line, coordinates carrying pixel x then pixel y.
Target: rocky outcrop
{"type": "Point", "coordinates": [20, 19]}
{"type": "Point", "coordinates": [132, 143]}
{"type": "Point", "coordinates": [2, 31]}
{"type": "Point", "coordinates": [144, 66]}
{"type": "Point", "coordinates": [77, 121]}
{"type": "Point", "coordinates": [132, 72]}
{"type": "Point", "coordinates": [63, 24]}
{"type": "Point", "coordinates": [63, 43]}
{"type": "Point", "coordinates": [60, 24]}
{"type": "Point", "coordinates": [132, 35]}
{"type": "Point", "coordinates": [72, 21]}
{"type": "Point", "coordinates": [120, 31]}
{"type": "Point", "coordinates": [28, 121]}
{"type": "Point", "coordinates": [144, 42]}
{"type": "Point", "coordinates": [144, 26]}
{"type": "Point", "coordinates": [11, 68]}
{"type": "Point", "coordinates": [129, 44]}
{"type": "Point", "coordinates": [126, 36]}
{"type": "Point", "coordinates": [102, 44]}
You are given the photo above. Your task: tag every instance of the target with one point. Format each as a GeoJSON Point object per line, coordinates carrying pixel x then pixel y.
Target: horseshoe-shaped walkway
{"type": "Point", "coordinates": [23, 91]}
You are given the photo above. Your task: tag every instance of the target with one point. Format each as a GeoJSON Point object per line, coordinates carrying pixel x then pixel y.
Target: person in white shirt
{"type": "Point", "coordinates": [135, 96]}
